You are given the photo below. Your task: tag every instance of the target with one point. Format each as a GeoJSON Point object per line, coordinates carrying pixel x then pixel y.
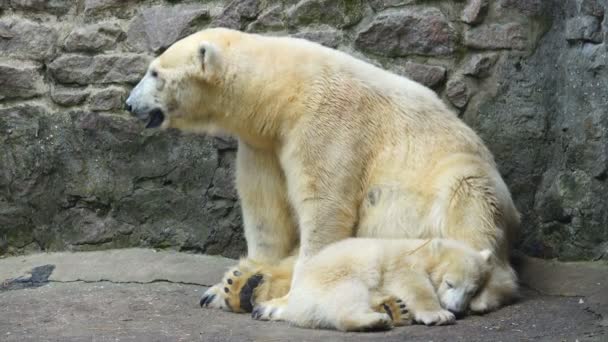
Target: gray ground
{"type": "Point", "coordinates": [140, 295]}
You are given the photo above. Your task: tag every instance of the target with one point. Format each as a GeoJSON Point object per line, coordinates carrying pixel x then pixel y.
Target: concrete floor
{"type": "Point", "coordinates": [112, 296]}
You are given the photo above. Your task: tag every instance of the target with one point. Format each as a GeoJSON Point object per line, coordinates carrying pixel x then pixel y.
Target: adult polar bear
{"type": "Point", "coordinates": [329, 147]}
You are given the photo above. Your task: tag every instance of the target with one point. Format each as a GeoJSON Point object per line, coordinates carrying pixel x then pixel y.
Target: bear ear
{"type": "Point", "coordinates": [486, 254]}
{"type": "Point", "coordinates": [209, 56]}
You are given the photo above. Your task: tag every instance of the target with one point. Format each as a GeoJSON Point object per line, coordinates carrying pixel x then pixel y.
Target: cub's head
{"type": "Point", "coordinates": [459, 273]}
{"type": "Point", "coordinates": [182, 87]}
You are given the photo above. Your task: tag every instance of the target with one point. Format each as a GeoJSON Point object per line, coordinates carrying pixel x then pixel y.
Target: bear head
{"type": "Point", "coordinates": [458, 273]}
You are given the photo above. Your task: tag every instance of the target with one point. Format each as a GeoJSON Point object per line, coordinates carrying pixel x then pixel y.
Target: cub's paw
{"type": "Point", "coordinates": [396, 309]}
{"type": "Point", "coordinates": [234, 293]}
{"type": "Point", "coordinates": [440, 317]}
{"type": "Point", "coordinates": [271, 310]}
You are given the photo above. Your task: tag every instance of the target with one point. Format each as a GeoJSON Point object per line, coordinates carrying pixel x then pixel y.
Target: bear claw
{"type": "Point", "coordinates": [206, 299]}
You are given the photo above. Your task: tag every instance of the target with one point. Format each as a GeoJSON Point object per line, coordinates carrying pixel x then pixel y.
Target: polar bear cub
{"type": "Point", "coordinates": [343, 286]}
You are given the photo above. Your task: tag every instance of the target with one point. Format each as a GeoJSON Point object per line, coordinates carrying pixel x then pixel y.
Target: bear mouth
{"type": "Point", "coordinates": [155, 118]}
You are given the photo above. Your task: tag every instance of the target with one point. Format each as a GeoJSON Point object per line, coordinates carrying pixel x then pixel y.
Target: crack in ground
{"type": "Point", "coordinates": [128, 282]}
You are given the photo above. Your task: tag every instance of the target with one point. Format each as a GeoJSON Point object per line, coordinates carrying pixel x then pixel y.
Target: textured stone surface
{"type": "Point", "coordinates": [53, 6]}
{"type": "Point", "coordinates": [111, 98]}
{"type": "Point", "coordinates": [273, 18]}
{"type": "Point", "coordinates": [584, 28]}
{"type": "Point", "coordinates": [156, 28]}
{"type": "Point", "coordinates": [457, 92]}
{"type": "Point", "coordinates": [76, 172]}
{"type": "Point", "coordinates": [329, 37]}
{"type": "Point", "coordinates": [547, 127]}
{"type": "Point", "coordinates": [527, 7]}
{"type": "Point", "coordinates": [126, 187]}
{"type": "Point", "coordinates": [68, 96]}
{"type": "Point", "coordinates": [480, 65]}
{"type": "Point", "coordinates": [496, 36]}
{"type": "Point", "coordinates": [339, 13]}
{"type": "Point", "coordinates": [429, 75]}
{"type": "Point", "coordinates": [85, 69]}
{"type": "Point", "coordinates": [94, 38]}
{"type": "Point", "coordinates": [591, 7]}
{"type": "Point", "coordinates": [409, 31]}
{"type": "Point", "coordinates": [474, 12]}
{"type": "Point", "coordinates": [379, 5]}
{"type": "Point", "coordinates": [94, 7]}
{"type": "Point", "coordinates": [26, 39]}
{"type": "Point", "coordinates": [20, 80]}
{"type": "Point", "coordinates": [237, 13]}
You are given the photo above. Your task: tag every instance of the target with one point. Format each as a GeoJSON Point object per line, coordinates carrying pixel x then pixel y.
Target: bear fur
{"type": "Point", "coordinates": [344, 290]}
{"type": "Point", "coordinates": [330, 147]}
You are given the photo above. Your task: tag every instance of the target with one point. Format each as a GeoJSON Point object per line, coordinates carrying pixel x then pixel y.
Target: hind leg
{"type": "Point", "coordinates": [350, 307]}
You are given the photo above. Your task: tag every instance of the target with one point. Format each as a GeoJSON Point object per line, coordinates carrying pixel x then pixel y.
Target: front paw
{"type": "Point", "coordinates": [214, 298]}
{"type": "Point", "coordinates": [440, 317]}
{"type": "Point", "coordinates": [271, 310]}
{"type": "Point", "coordinates": [234, 293]}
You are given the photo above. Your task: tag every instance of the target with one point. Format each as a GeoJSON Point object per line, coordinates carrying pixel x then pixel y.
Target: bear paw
{"type": "Point", "coordinates": [440, 317]}
{"type": "Point", "coordinates": [234, 293]}
{"type": "Point", "coordinates": [396, 309]}
{"type": "Point", "coordinates": [271, 310]}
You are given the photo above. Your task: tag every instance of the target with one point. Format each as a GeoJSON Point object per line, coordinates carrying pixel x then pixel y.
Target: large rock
{"type": "Point", "coordinates": [329, 37]}
{"type": "Point", "coordinates": [429, 75]}
{"type": "Point", "coordinates": [474, 12]}
{"type": "Point", "coordinates": [272, 18]}
{"type": "Point", "coordinates": [547, 127]}
{"type": "Point", "coordinates": [238, 13]}
{"type": "Point", "coordinates": [379, 5]}
{"type": "Point", "coordinates": [424, 31]}
{"type": "Point", "coordinates": [26, 39]}
{"type": "Point", "coordinates": [96, 7]}
{"type": "Point", "coordinates": [457, 92]}
{"type": "Point", "coordinates": [480, 65]}
{"type": "Point", "coordinates": [156, 28]}
{"type": "Point", "coordinates": [52, 6]}
{"type": "Point", "coordinates": [84, 69]}
{"type": "Point", "coordinates": [584, 28]}
{"type": "Point", "coordinates": [339, 13]}
{"type": "Point", "coordinates": [68, 96]}
{"type": "Point", "coordinates": [526, 7]}
{"type": "Point", "coordinates": [496, 36]}
{"type": "Point", "coordinates": [84, 181]}
{"type": "Point", "coordinates": [20, 80]}
{"type": "Point", "coordinates": [108, 99]}
{"type": "Point", "coordinates": [94, 38]}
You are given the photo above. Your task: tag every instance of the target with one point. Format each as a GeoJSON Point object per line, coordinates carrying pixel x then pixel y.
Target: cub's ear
{"type": "Point", "coordinates": [486, 254]}
{"type": "Point", "coordinates": [210, 58]}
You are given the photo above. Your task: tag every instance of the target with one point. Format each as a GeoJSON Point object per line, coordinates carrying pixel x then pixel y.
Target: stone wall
{"type": "Point", "coordinates": [77, 173]}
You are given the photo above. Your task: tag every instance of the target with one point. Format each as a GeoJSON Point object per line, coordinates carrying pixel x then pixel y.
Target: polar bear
{"type": "Point", "coordinates": [330, 147]}
{"type": "Point", "coordinates": [343, 289]}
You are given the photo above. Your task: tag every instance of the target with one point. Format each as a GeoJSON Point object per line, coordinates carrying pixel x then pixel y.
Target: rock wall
{"type": "Point", "coordinates": [77, 173]}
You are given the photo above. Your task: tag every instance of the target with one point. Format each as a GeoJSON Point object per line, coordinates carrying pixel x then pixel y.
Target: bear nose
{"type": "Point", "coordinates": [128, 107]}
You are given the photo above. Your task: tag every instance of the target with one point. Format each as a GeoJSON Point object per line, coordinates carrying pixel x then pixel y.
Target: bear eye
{"type": "Point", "coordinates": [154, 73]}
{"type": "Point", "coordinates": [450, 285]}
